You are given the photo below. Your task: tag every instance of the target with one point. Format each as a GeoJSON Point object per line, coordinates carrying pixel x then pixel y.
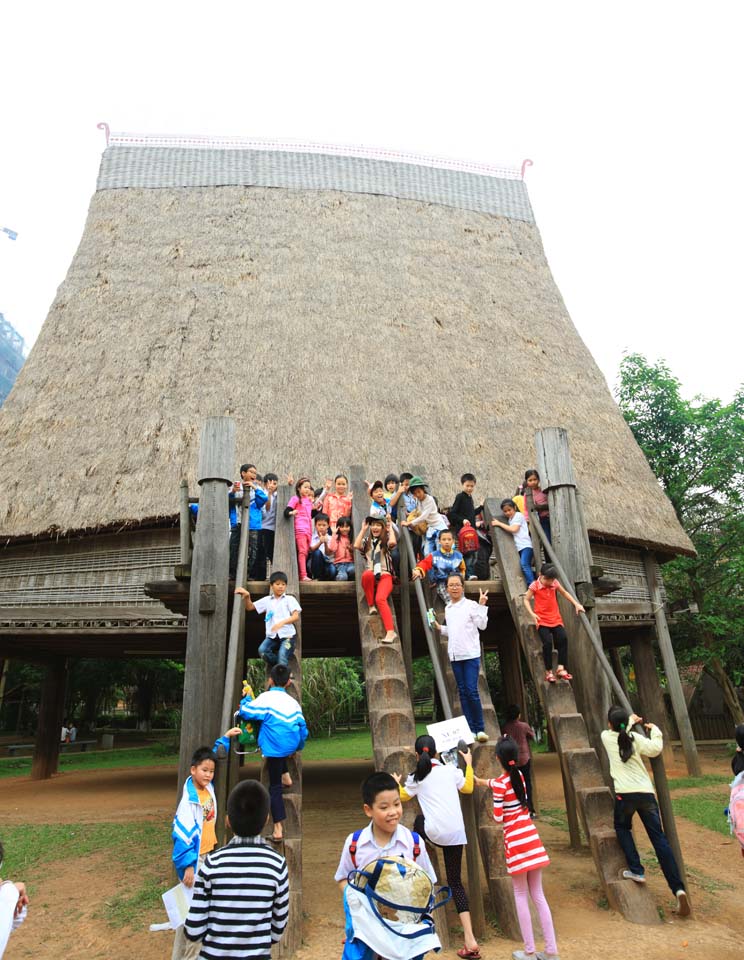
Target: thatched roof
{"type": "Point", "coordinates": [337, 326]}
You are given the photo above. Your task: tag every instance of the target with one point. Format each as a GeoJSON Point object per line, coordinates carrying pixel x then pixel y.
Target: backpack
{"type": "Point", "coordinates": [736, 809]}
{"type": "Point", "coordinates": [355, 839]}
{"type": "Point", "coordinates": [467, 540]}
{"type": "Point", "coordinates": [248, 738]}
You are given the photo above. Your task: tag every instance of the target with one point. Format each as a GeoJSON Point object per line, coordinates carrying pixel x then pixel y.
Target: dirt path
{"type": "Point", "coordinates": [68, 898]}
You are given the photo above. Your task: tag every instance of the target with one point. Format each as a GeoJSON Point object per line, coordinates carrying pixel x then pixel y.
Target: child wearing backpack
{"type": "Point", "coordinates": [634, 793]}
{"type": "Point", "coordinates": [438, 787]}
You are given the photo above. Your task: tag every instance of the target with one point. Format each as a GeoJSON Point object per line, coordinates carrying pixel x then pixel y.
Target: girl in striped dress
{"type": "Point", "coordinates": [525, 854]}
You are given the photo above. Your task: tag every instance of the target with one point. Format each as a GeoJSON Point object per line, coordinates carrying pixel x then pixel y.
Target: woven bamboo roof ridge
{"type": "Point", "coordinates": [406, 315]}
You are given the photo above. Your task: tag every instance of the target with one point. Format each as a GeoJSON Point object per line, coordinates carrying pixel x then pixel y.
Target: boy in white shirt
{"type": "Point", "coordinates": [282, 612]}
{"type": "Point", "coordinates": [516, 525]}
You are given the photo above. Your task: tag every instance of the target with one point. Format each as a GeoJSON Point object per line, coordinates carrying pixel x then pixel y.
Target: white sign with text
{"type": "Point", "coordinates": [448, 733]}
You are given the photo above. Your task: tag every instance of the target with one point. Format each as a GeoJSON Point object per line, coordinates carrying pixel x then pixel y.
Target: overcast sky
{"type": "Point", "coordinates": [630, 111]}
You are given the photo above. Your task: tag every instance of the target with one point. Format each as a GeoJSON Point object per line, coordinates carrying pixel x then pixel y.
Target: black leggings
{"type": "Point", "coordinates": [276, 766]}
{"type": "Point", "coordinates": [557, 636]}
{"type": "Point", "coordinates": [452, 867]}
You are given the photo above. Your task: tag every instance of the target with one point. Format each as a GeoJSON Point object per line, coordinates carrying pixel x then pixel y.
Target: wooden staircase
{"type": "Point", "coordinates": [586, 789]}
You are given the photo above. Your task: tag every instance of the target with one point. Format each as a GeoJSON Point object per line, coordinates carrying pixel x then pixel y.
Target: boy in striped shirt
{"type": "Point", "coordinates": [241, 895]}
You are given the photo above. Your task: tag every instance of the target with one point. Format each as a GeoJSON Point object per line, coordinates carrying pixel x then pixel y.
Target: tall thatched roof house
{"type": "Point", "coordinates": [368, 308]}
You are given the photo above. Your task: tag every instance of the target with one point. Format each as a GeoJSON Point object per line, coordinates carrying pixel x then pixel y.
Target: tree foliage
{"type": "Point", "coordinates": [696, 449]}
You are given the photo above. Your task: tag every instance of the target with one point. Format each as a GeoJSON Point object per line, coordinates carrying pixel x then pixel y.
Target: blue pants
{"type": "Point", "coordinates": [320, 567]}
{"type": "Point", "coordinates": [466, 677]}
{"type": "Point", "coordinates": [525, 561]}
{"type": "Point", "coordinates": [344, 571]}
{"type": "Point", "coordinates": [277, 650]}
{"type": "Point", "coordinates": [644, 804]}
{"type": "Point", "coordinates": [470, 561]}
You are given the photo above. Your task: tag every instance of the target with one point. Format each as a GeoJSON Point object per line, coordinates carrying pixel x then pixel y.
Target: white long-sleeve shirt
{"type": "Point", "coordinates": [463, 620]}
{"type": "Point", "coordinates": [8, 919]}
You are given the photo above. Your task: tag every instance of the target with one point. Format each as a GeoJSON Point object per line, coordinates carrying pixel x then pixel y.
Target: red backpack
{"type": "Point", "coordinates": [467, 540]}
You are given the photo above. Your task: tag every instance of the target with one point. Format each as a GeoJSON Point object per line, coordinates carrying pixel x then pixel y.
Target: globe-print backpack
{"type": "Point", "coordinates": [736, 809]}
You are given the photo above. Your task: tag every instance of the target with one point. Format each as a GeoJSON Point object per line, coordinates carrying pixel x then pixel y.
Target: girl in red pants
{"type": "Point", "coordinates": [375, 541]}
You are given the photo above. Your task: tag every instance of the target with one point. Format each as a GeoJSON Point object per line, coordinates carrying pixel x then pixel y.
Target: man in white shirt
{"type": "Point", "coordinates": [463, 619]}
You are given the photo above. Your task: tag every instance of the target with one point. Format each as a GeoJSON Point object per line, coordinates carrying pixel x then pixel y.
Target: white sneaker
{"type": "Point", "coordinates": [481, 737]}
{"type": "Point", "coordinates": [521, 955]}
{"type": "Point", "coordinates": [683, 904]}
{"type": "Point", "coordinates": [541, 955]}
{"type": "Point", "coordinates": [637, 877]}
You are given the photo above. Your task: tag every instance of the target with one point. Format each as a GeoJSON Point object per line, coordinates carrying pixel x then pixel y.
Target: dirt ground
{"type": "Point", "coordinates": [64, 914]}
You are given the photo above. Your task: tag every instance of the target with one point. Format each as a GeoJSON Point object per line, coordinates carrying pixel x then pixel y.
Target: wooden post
{"type": "Point", "coordinates": [571, 544]}
{"type": "Point", "coordinates": [207, 624]}
{"type": "Point", "coordinates": [649, 689]}
{"type": "Point", "coordinates": [285, 559]}
{"type": "Point", "coordinates": [617, 668]}
{"type": "Point", "coordinates": [406, 641]}
{"type": "Point", "coordinates": [184, 523]}
{"type": "Point", "coordinates": [51, 715]}
{"type": "Point", "coordinates": [227, 766]}
{"type": "Point", "coordinates": [674, 684]}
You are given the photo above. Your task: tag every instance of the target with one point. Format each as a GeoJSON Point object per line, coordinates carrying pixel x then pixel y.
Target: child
{"type": "Point", "coordinates": [194, 834]}
{"type": "Point", "coordinates": [268, 520]}
{"type": "Point", "coordinates": [341, 549]}
{"type": "Point", "coordinates": [375, 542]}
{"type": "Point", "coordinates": [428, 514]}
{"type": "Point", "coordinates": [282, 613]}
{"type": "Point", "coordinates": [525, 854]}
{"type": "Point", "coordinates": [379, 505]}
{"type": "Point", "coordinates": [403, 493]}
{"type": "Point", "coordinates": [521, 733]}
{"type": "Point", "coordinates": [547, 618]}
{"type": "Point", "coordinates": [468, 544]}
{"type": "Point", "coordinates": [247, 485]}
{"type": "Point", "coordinates": [540, 499]}
{"type": "Point", "coordinates": [634, 793]}
{"type": "Point", "coordinates": [516, 525]}
{"type": "Point", "coordinates": [321, 563]}
{"type": "Point", "coordinates": [440, 564]}
{"type": "Point", "coordinates": [13, 906]}
{"type": "Point", "coordinates": [437, 786]}
{"type": "Point", "coordinates": [737, 761]}
{"type": "Point", "coordinates": [463, 620]}
{"type": "Point", "coordinates": [462, 511]}
{"type": "Point", "coordinates": [300, 506]}
{"type": "Point", "coordinates": [391, 485]}
{"type": "Point", "coordinates": [338, 504]}
{"type": "Point", "coordinates": [241, 900]}
{"type": "Point", "coordinates": [282, 732]}
{"type": "Point", "coordinates": [384, 835]}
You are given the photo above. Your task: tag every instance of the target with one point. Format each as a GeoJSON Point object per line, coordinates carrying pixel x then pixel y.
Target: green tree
{"type": "Point", "coordinates": [696, 449]}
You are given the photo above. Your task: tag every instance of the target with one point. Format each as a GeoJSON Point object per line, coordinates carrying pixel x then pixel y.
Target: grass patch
{"type": "Point", "coordinates": [151, 756]}
{"type": "Point", "coordinates": [128, 909]}
{"type": "Point", "coordinates": [690, 783]}
{"type": "Point", "coordinates": [704, 809]}
{"type": "Point", "coordinates": [30, 845]}
{"type": "Point", "coordinates": [555, 817]}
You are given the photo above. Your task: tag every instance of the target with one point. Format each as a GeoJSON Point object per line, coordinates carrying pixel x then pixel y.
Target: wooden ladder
{"type": "Point", "coordinates": [586, 790]}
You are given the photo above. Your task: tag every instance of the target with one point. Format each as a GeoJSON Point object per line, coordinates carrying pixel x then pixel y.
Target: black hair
{"type": "Point", "coordinates": [426, 748]}
{"type": "Point", "coordinates": [280, 675]}
{"type": "Point", "coordinates": [512, 712]}
{"type": "Point", "coordinates": [278, 575]}
{"type": "Point", "coordinates": [619, 720]}
{"type": "Point", "coordinates": [393, 477]}
{"type": "Point", "coordinates": [548, 570]}
{"type": "Point", "coordinates": [737, 761]}
{"type": "Point", "coordinates": [507, 752]}
{"type": "Point", "coordinates": [345, 520]}
{"type": "Point", "coordinates": [270, 476]}
{"type": "Point", "coordinates": [300, 483]}
{"type": "Point", "coordinates": [406, 476]}
{"type": "Point", "coordinates": [201, 754]}
{"type": "Point", "coordinates": [531, 473]}
{"type": "Point", "coordinates": [508, 502]}
{"type": "Point", "coordinates": [377, 782]}
{"type": "Point", "coordinates": [458, 576]}
{"type": "Point", "coordinates": [322, 516]}
{"type": "Point", "coordinates": [446, 530]}
{"type": "Point", "coordinates": [339, 476]}
{"type": "Point", "coordinates": [247, 466]}
{"type": "Point", "coordinates": [317, 492]}
{"type": "Point", "coordinates": [248, 808]}
{"type": "Point", "coordinates": [467, 477]}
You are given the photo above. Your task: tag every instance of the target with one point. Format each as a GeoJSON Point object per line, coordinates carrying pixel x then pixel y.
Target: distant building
{"type": "Point", "coordinates": [11, 356]}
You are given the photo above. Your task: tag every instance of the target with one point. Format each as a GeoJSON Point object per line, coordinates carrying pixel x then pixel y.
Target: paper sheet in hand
{"type": "Point", "coordinates": [177, 901]}
{"type": "Point", "coordinates": [448, 733]}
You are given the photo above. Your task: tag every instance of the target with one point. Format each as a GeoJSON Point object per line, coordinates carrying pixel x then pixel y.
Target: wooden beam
{"type": "Point", "coordinates": [649, 688]}
{"type": "Point", "coordinates": [674, 684]}
{"type": "Point", "coordinates": [51, 715]}
{"type": "Point", "coordinates": [184, 524]}
{"type": "Point", "coordinates": [204, 677]}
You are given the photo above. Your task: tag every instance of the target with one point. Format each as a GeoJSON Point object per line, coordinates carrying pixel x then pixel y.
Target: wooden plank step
{"type": "Point", "coordinates": [632, 900]}
{"type": "Point", "coordinates": [570, 729]}
{"type": "Point", "coordinates": [583, 767]}
{"type": "Point", "coordinates": [596, 806]}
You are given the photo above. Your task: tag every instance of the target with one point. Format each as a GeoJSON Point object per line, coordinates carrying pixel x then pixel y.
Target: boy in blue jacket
{"type": "Point", "coordinates": [194, 828]}
{"type": "Point", "coordinates": [440, 563]}
{"type": "Point", "coordinates": [283, 731]}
